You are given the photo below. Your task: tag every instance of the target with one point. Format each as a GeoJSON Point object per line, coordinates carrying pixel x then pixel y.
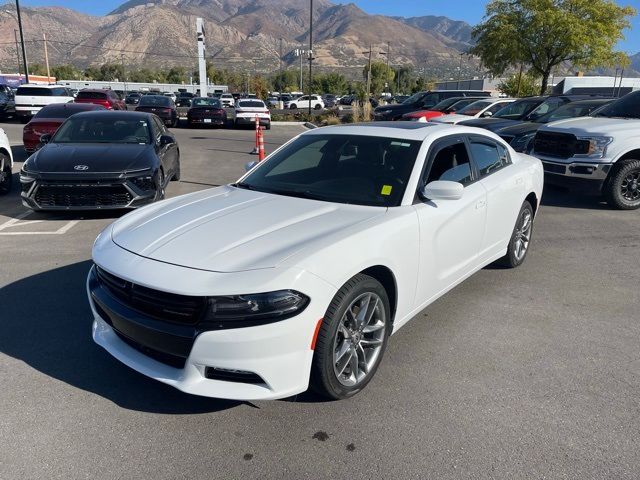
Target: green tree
{"type": "Point", "coordinates": [177, 75]}
{"type": "Point", "coordinates": [542, 34]}
{"type": "Point", "coordinates": [380, 74]}
{"type": "Point", "coordinates": [518, 85]}
{"type": "Point", "coordinates": [330, 83]}
{"type": "Point", "coordinates": [111, 71]}
{"type": "Point", "coordinates": [66, 72]}
{"type": "Point", "coordinates": [92, 73]}
{"type": "Point", "coordinates": [286, 81]}
{"type": "Point", "coordinates": [37, 69]}
{"type": "Point", "coordinates": [403, 80]}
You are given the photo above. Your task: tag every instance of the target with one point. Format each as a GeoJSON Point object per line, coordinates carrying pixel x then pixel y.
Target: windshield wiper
{"type": "Point", "coordinates": [244, 185]}
{"type": "Point", "coordinates": [297, 193]}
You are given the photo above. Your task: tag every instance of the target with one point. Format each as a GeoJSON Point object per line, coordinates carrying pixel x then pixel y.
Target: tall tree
{"type": "Point", "coordinates": [380, 74]}
{"type": "Point", "coordinates": [542, 34]}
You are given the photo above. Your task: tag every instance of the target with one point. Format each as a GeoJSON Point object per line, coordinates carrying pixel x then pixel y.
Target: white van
{"type": "Point", "coordinates": [30, 98]}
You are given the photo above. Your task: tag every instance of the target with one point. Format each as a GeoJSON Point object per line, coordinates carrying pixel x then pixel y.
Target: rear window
{"type": "Point", "coordinates": [155, 100]}
{"type": "Point", "coordinates": [251, 103]}
{"type": "Point", "coordinates": [35, 92]}
{"type": "Point", "coordinates": [65, 110]}
{"type": "Point", "coordinates": [91, 95]}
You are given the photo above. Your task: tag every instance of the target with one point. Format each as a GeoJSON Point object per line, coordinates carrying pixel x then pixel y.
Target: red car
{"type": "Point", "coordinates": [105, 97]}
{"type": "Point", "coordinates": [48, 119]}
{"type": "Point", "coordinates": [450, 105]}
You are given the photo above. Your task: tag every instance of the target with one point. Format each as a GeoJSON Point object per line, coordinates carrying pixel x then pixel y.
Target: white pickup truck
{"type": "Point", "coordinates": [598, 154]}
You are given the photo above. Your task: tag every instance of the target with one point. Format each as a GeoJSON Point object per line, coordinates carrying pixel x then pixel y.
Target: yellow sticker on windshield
{"type": "Point", "coordinates": [386, 190]}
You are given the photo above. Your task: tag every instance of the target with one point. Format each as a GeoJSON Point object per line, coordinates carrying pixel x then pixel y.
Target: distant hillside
{"type": "Point", "coordinates": [162, 32]}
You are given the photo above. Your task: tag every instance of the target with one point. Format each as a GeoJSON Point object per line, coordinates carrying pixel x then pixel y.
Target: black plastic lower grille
{"type": "Point", "coordinates": [235, 376]}
{"type": "Point", "coordinates": [561, 145]}
{"type": "Point", "coordinates": [162, 357]}
{"type": "Point", "coordinates": [181, 309]}
{"type": "Point", "coordinates": [82, 196]}
{"type": "Point", "coordinates": [553, 168]}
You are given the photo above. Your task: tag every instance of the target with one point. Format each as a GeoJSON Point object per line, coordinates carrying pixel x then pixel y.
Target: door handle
{"type": "Point", "coordinates": [480, 204]}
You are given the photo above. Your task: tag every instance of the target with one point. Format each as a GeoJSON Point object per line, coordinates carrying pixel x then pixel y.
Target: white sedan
{"type": "Point", "coordinates": [6, 164]}
{"type": "Point", "coordinates": [247, 109]}
{"type": "Point", "coordinates": [296, 275]}
{"type": "Point", "coordinates": [484, 108]}
{"type": "Point", "coordinates": [303, 102]}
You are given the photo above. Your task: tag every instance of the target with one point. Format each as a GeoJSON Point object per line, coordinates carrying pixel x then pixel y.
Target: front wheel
{"type": "Point", "coordinates": [352, 338]}
{"type": "Point", "coordinates": [520, 238]}
{"type": "Point", "coordinates": [293, 107]}
{"type": "Point", "coordinates": [6, 176]}
{"type": "Point", "coordinates": [176, 173]}
{"type": "Point", "coordinates": [623, 189]}
{"type": "Point", "coordinates": [317, 107]}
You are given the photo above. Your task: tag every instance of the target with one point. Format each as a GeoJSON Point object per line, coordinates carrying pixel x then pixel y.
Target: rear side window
{"type": "Point", "coordinates": [251, 104]}
{"type": "Point", "coordinates": [488, 156]}
{"type": "Point", "coordinates": [91, 96]}
{"type": "Point", "coordinates": [59, 92]}
{"type": "Point", "coordinates": [34, 92]}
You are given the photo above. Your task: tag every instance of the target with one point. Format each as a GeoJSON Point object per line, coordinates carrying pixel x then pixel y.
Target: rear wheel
{"type": "Point", "coordinates": [293, 106]}
{"type": "Point", "coordinates": [352, 338]}
{"type": "Point", "coordinates": [520, 238]}
{"type": "Point", "coordinates": [6, 176]}
{"type": "Point", "coordinates": [623, 188]}
{"type": "Point", "coordinates": [317, 107]}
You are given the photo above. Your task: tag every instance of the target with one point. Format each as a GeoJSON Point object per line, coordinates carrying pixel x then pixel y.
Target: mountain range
{"type": "Point", "coordinates": [239, 34]}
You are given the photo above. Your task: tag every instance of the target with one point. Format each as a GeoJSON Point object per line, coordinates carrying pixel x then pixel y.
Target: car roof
{"type": "Point", "coordinates": [80, 107]}
{"type": "Point", "coordinates": [402, 130]}
{"type": "Point", "coordinates": [115, 114]}
{"type": "Point", "coordinates": [34, 85]}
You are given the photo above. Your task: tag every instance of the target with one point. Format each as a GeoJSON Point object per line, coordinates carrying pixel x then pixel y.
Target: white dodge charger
{"type": "Point", "coordinates": [296, 275]}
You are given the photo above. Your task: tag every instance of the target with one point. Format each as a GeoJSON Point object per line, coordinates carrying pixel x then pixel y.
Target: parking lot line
{"type": "Point", "coordinates": [16, 222]}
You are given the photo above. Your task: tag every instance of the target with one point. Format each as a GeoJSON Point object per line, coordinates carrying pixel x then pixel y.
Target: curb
{"type": "Point", "coordinates": [287, 123]}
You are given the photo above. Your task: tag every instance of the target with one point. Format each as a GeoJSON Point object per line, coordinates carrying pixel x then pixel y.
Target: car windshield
{"type": "Point", "coordinates": [474, 108]}
{"type": "Point", "coordinates": [517, 110]}
{"type": "Point", "coordinates": [105, 129]}
{"type": "Point", "coordinates": [625, 107]}
{"type": "Point", "coordinates": [446, 103]}
{"type": "Point", "coordinates": [205, 102]}
{"type": "Point", "coordinates": [155, 101]}
{"type": "Point", "coordinates": [415, 98]}
{"type": "Point", "coordinates": [571, 110]}
{"type": "Point", "coordinates": [355, 169]}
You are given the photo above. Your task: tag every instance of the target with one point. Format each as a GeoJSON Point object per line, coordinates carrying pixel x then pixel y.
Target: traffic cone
{"type": "Point", "coordinates": [260, 145]}
{"type": "Point", "coordinates": [256, 149]}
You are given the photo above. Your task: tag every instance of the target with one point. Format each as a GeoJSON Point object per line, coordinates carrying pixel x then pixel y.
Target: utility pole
{"type": "Point", "coordinates": [310, 86]}
{"type": "Point", "coordinates": [519, 80]}
{"type": "Point", "coordinates": [388, 55]}
{"type": "Point", "coordinates": [46, 55]}
{"type": "Point", "coordinates": [202, 64]}
{"type": "Point", "coordinates": [24, 50]}
{"type": "Point", "coordinates": [459, 72]}
{"type": "Point", "coordinates": [124, 76]}
{"type": "Point", "coordinates": [369, 73]}
{"type": "Point", "coordinates": [301, 53]}
{"type": "Point", "coordinates": [15, 35]}
{"type": "Point", "coordinates": [280, 77]}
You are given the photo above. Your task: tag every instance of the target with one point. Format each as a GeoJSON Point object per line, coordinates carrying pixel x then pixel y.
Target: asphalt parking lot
{"type": "Point", "coordinates": [526, 373]}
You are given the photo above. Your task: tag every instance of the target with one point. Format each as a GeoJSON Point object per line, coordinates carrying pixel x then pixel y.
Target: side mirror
{"type": "Point", "coordinates": [442, 190]}
{"type": "Point", "coordinates": [46, 138]}
{"type": "Point", "coordinates": [487, 114]}
{"type": "Point", "coordinates": [166, 140]}
{"type": "Point", "coordinates": [249, 165]}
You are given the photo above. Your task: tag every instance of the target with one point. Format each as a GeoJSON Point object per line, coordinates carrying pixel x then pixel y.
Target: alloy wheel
{"type": "Point", "coordinates": [359, 339]}
{"type": "Point", "coordinates": [630, 186]}
{"type": "Point", "coordinates": [523, 234]}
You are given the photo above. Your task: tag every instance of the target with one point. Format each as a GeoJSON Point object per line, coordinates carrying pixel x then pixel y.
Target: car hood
{"type": "Point", "coordinates": [61, 158]}
{"type": "Point", "coordinates": [400, 107]}
{"type": "Point", "coordinates": [596, 126]}
{"type": "Point", "coordinates": [491, 124]}
{"type": "Point", "coordinates": [227, 229]}
{"type": "Point", "coordinates": [520, 129]}
{"type": "Point", "coordinates": [453, 118]}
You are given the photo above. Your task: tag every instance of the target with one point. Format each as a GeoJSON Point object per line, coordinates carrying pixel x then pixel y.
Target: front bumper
{"type": "Point", "coordinates": [278, 355]}
{"type": "Point", "coordinates": [584, 177]}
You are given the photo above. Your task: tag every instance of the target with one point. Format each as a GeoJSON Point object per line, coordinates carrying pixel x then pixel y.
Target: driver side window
{"type": "Point", "coordinates": [450, 162]}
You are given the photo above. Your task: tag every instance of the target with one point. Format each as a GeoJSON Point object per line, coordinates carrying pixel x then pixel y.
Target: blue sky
{"type": "Point", "coordinates": [468, 10]}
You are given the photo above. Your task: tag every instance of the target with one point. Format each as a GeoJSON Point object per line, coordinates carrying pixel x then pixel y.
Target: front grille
{"type": "Point", "coordinates": [560, 145]}
{"type": "Point", "coordinates": [174, 361]}
{"type": "Point", "coordinates": [82, 196]}
{"type": "Point", "coordinates": [181, 309]}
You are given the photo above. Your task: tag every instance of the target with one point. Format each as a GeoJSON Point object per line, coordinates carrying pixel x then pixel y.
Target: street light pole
{"type": "Point", "coordinates": [459, 72]}
{"type": "Point", "coordinates": [310, 52]}
{"type": "Point", "coordinates": [15, 36]}
{"type": "Point", "coordinates": [24, 50]}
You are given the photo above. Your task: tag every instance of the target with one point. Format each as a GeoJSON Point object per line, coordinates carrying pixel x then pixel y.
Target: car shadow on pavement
{"type": "Point", "coordinates": [45, 321]}
{"type": "Point", "coordinates": [558, 197]}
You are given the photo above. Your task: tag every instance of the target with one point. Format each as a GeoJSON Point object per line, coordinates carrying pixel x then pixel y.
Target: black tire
{"type": "Point", "coordinates": [176, 174]}
{"type": "Point", "coordinates": [293, 106]}
{"type": "Point", "coordinates": [324, 378]}
{"type": "Point", "coordinates": [513, 258]}
{"type": "Point", "coordinates": [160, 193]}
{"type": "Point", "coordinates": [317, 107]}
{"type": "Point", "coordinates": [6, 176]}
{"type": "Point", "coordinates": [268, 126]}
{"type": "Point", "coordinates": [622, 190]}
{"type": "Point", "coordinates": [24, 120]}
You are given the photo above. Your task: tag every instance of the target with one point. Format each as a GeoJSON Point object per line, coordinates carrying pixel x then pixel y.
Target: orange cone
{"type": "Point", "coordinates": [260, 145]}
{"type": "Point", "coordinates": [256, 149]}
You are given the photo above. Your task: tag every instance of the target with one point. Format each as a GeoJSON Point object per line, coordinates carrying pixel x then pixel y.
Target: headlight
{"type": "Point", "coordinates": [144, 183]}
{"type": "Point", "coordinates": [592, 147]}
{"type": "Point", "coordinates": [521, 143]}
{"type": "Point", "coordinates": [258, 308]}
